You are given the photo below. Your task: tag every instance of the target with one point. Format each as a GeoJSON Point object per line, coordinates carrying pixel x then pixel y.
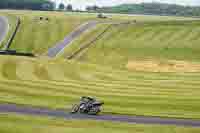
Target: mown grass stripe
{"type": "Point", "coordinates": [88, 90]}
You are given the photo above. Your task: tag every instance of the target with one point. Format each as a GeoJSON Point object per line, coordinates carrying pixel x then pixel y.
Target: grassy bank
{"type": "Point", "coordinates": [155, 41]}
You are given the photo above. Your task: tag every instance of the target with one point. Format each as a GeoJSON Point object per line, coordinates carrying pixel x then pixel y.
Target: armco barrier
{"type": "Point", "coordinates": [14, 53]}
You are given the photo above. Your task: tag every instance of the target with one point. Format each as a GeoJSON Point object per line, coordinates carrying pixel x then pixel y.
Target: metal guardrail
{"type": "Point", "coordinates": [6, 50]}
{"type": "Point", "coordinates": [15, 53]}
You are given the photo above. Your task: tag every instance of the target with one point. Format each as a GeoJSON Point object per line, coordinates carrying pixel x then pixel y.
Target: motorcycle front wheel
{"type": "Point", "coordinates": [75, 108]}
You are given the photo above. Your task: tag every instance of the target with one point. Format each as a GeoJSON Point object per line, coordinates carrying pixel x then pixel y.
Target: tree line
{"type": "Point", "coordinates": [151, 8]}
{"type": "Point", "coordinates": [27, 4]}
{"type": "Point", "coordinates": [62, 6]}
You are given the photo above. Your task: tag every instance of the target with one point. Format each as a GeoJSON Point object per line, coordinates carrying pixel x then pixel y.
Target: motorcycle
{"type": "Point", "coordinates": [87, 105]}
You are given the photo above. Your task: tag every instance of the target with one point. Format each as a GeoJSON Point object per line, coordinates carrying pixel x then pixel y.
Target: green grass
{"type": "Point", "coordinates": [30, 124]}
{"type": "Point", "coordinates": [59, 84]}
{"type": "Point", "coordinates": [171, 40]}
{"type": "Point", "coordinates": [148, 18]}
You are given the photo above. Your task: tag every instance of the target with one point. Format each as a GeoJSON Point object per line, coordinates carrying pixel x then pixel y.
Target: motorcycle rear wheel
{"type": "Point", "coordinates": [94, 111]}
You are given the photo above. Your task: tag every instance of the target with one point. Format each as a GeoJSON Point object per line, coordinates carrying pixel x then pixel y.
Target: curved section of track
{"type": "Point", "coordinates": [12, 108]}
{"type": "Point", "coordinates": [54, 51]}
{"type": "Point", "coordinates": [4, 26]}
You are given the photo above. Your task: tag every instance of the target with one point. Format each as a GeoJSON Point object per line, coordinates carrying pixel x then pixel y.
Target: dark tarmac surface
{"type": "Point", "coordinates": [25, 110]}
{"type": "Point", "coordinates": [3, 28]}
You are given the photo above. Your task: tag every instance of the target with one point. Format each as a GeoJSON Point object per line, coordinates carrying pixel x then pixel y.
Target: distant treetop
{"type": "Point", "coordinates": [27, 4]}
{"type": "Point", "coordinates": [152, 8]}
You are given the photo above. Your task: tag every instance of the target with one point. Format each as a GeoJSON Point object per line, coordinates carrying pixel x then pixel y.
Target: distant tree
{"type": "Point", "coordinates": [88, 8]}
{"type": "Point", "coordinates": [27, 4]}
{"type": "Point", "coordinates": [69, 7]}
{"type": "Point", "coordinates": [61, 6]}
{"type": "Point", "coordinates": [95, 7]}
{"type": "Point", "coordinates": [92, 8]}
{"type": "Point", "coordinates": [48, 6]}
{"type": "Point", "coordinates": [153, 8]}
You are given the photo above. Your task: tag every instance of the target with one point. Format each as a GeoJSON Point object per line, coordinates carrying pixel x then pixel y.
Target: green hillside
{"type": "Point", "coordinates": [161, 42]}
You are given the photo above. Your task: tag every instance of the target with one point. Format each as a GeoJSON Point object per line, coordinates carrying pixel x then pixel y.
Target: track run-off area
{"type": "Point", "coordinates": [4, 27]}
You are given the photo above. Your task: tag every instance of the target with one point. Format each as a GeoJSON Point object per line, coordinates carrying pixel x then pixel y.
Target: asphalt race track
{"type": "Point", "coordinates": [3, 28]}
{"type": "Point", "coordinates": [52, 52]}
{"type": "Point", "coordinates": [27, 110]}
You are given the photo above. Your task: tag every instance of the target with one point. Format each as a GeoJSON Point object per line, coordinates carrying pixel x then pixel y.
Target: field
{"type": "Point", "coordinates": [58, 84]}
{"type": "Point", "coordinates": [148, 68]}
